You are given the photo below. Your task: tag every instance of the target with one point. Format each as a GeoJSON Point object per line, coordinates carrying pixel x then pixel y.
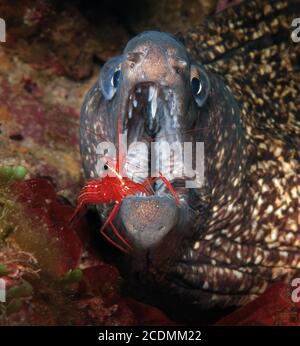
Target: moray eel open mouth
{"type": "Point", "coordinates": [148, 104]}
{"type": "Point", "coordinates": [151, 115]}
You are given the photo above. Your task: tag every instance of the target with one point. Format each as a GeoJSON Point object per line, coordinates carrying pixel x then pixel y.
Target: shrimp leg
{"type": "Point", "coordinates": [149, 181]}
{"type": "Point", "coordinates": [109, 221]}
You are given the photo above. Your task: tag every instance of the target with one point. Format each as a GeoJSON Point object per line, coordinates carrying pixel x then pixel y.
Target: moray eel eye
{"type": "Point", "coordinates": [196, 86]}
{"type": "Point", "coordinates": [116, 79]}
{"type": "Point", "coordinates": [110, 77]}
{"type": "Point", "coordinates": [200, 84]}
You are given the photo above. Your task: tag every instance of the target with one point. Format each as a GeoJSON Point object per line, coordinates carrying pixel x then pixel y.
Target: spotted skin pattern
{"type": "Point", "coordinates": [247, 220]}
{"type": "Point", "coordinates": [260, 242]}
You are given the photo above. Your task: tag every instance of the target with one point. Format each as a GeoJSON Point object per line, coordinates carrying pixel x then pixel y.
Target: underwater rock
{"type": "Point", "coordinates": [40, 203]}
{"type": "Point", "coordinates": [34, 26]}
{"type": "Point", "coordinates": [51, 276]}
{"type": "Point", "coordinates": [273, 308]}
{"type": "Point", "coordinates": [178, 15]}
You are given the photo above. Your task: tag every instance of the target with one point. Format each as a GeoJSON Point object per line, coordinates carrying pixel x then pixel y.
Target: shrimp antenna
{"type": "Point", "coordinates": [118, 144]}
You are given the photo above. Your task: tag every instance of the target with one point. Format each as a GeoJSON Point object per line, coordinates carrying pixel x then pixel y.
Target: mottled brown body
{"type": "Point", "coordinates": [260, 242]}
{"type": "Point", "coordinates": [244, 230]}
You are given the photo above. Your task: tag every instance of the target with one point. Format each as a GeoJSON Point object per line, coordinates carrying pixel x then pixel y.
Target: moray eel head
{"type": "Point", "coordinates": [161, 95]}
{"type": "Point", "coordinates": [157, 92]}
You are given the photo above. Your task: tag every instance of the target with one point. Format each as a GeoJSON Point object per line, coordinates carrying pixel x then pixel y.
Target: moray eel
{"type": "Point", "coordinates": [233, 84]}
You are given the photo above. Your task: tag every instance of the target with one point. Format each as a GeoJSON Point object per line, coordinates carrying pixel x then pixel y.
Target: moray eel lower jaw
{"type": "Point", "coordinates": [153, 221]}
